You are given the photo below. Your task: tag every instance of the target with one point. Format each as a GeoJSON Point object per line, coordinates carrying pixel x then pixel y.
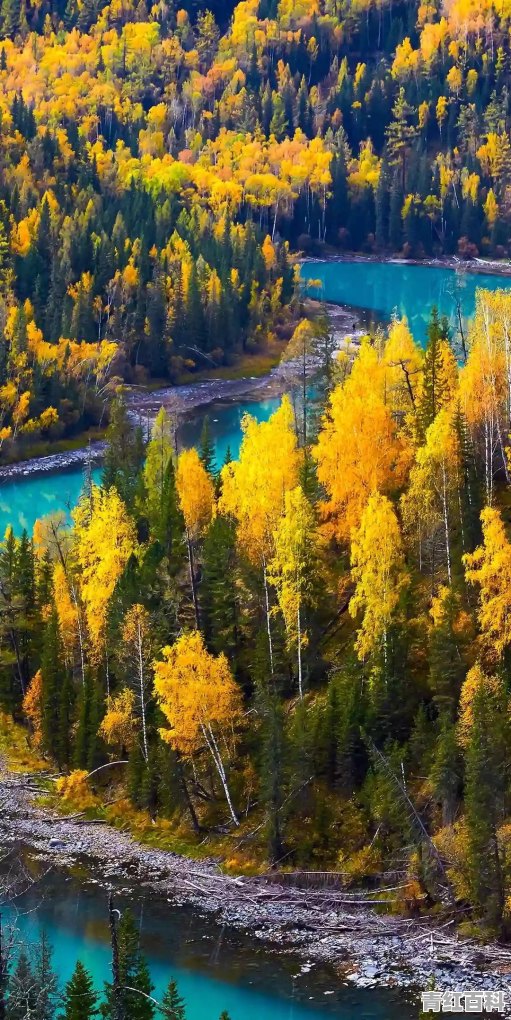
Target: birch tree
{"type": "Point", "coordinates": [200, 701]}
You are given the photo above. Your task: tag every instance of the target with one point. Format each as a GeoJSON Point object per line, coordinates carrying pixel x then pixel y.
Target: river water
{"type": "Point", "coordinates": [216, 968]}
{"type": "Point", "coordinates": [388, 288]}
{"type": "Point", "coordinates": [380, 288]}
{"type": "Point", "coordinates": [219, 969]}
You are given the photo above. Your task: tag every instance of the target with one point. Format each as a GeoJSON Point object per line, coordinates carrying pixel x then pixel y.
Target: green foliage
{"type": "Point", "coordinates": [173, 1003]}
{"type": "Point", "coordinates": [136, 984]}
{"type": "Point", "coordinates": [80, 1001]}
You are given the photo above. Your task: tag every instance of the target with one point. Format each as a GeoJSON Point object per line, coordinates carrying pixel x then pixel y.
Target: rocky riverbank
{"type": "Point", "coordinates": [183, 401]}
{"type": "Point", "coordinates": [323, 924]}
{"type": "Point", "coordinates": [143, 406]}
{"type": "Point", "coordinates": [475, 265]}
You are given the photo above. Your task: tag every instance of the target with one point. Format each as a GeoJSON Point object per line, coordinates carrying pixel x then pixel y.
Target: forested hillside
{"type": "Point", "coordinates": [158, 164]}
{"type": "Point", "coordinates": [304, 659]}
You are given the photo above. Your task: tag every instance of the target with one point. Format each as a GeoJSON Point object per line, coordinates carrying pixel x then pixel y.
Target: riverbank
{"type": "Point", "coordinates": [322, 924]}
{"type": "Point", "coordinates": [182, 402]}
{"type": "Point", "coordinates": [473, 266]}
{"type": "Point", "coordinates": [143, 406]}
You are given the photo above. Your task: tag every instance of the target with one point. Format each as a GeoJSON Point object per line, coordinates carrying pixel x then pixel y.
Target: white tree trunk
{"type": "Point", "coordinates": [209, 737]}
{"type": "Point", "coordinates": [299, 632]}
{"type": "Point", "coordinates": [268, 625]}
{"type": "Point", "coordinates": [141, 679]}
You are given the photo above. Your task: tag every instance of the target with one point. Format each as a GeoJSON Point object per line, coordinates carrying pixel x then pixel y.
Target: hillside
{"type": "Point", "coordinates": [302, 661]}
{"type": "Point", "coordinates": [159, 164]}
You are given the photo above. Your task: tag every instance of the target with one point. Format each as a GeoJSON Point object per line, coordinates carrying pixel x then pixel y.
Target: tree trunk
{"type": "Point", "coordinates": [192, 582]}
{"type": "Point", "coordinates": [209, 737]}
{"type": "Point", "coordinates": [118, 1012]}
{"type": "Point", "coordinates": [186, 794]}
{"type": "Point", "coordinates": [299, 633]}
{"type": "Point", "coordinates": [446, 524]}
{"type": "Point", "coordinates": [268, 625]}
{"type": "Point", "coordinates": [142, 692]}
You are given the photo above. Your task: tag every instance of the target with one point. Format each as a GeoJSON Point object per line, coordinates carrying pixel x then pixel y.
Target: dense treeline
{"type": "Point", "coordinates": [158, 161]}
{"type": "Point", "coordinates": [309, 649]}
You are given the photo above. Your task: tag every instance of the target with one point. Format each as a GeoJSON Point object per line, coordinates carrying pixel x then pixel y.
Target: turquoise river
{"type": "Point", "coordinates": [218, 969]}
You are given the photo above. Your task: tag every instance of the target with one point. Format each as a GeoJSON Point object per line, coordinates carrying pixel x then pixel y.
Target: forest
{"type": "Point", "coordinates": [302, 660]}
{"type": "Point", "coordinates": [161, 166]}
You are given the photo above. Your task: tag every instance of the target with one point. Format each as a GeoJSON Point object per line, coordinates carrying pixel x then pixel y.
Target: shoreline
{"type": "Point", "coordinates": [181, 401]}
{"type": "Point", "coordinates": [325, 925]}
{"type": "Point", "coordinates": [474, 267]}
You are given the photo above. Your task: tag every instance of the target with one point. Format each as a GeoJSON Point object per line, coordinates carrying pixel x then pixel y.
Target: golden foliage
{"type": "Point", "coordinates": [196, 693]}
{"type": "Point", "coordinates": [489, 567]}
{"type": "Point", "coordinates": [75, 791]}
{"type": "Point", "coordinates": [254, 487]}
{"type": "Point", "coordinates": [105, 539]}
{"type": "Point", "coordinates": [118, 726]}
{"type": "Point", "coordinates": [196, 493]}
{"type": "Point", "coordinates": [33, 708]}
{"type": "Point", "coordinates": [378, 570]}
{"type": "Point", "coordinates": [359, 449]}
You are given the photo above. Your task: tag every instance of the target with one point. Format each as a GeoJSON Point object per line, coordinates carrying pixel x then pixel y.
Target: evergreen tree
{"type": "Point", "coordinates": [273, 770]}
{"type": "Point", "coordinates": [446, 770]}
{"type": "Point", "coordinates": [135, 982]}
{"type": "Point", "coordinates": [484, 804]}
{"type": "Point", "coordinates": [22, 991]}
{"type": "Point", "coordinates": [207, 446]}
{"type": "Point", "coordinates": [446, 662]}
{"type": "Point", "coordinates": [45, 981]}
{"type": "Point", "coordinates": [218, 591]}
{"type": "Point", "coordinates": [173, 1005]}
{"type": "Point", "coordinates": [56, 694]}
{"type": "Point", "coordinates": [124, 455]}
{"type": "Point", "coordinates": [80, 1001]}
{"type": "Point", "coordinates": [433, 385]}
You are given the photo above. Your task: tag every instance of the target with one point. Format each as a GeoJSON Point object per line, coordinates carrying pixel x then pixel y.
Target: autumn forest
{"type": "Point", "coordinates": [161, 165]}
{"type": "Point", "coordinates": [301, 660]}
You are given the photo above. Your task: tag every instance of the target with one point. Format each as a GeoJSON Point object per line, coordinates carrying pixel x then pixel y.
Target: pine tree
{"type": "Point", "coordinates": [10, 17]}
{"type": "Point", "coordinates": [55, 695]}
{"type": "Point", "coordinates": [273, 769]}
{"type": "Point", "coordinates": [400, 134]}
{"type": "Point", "coordinates": [446, 663]}
{"type": "Point", "coordinates": [207, 446]}
{"type": "Point", "coordinates": [434, 384]}
{"type": "Point", "coordinates": [22, 990]}
{"type": "Point", "coordinates": [80, 1001]}
{"type": "Point", "coordinates": [484, 805]}
{"type": "Point", "coordinates": [137, 1003]}
{"type": "Point", "coordinates": [218, 591]}
{"type": "Point", "coordinates": [45, 981]}
{"type": "Point", "coordinates": [446, 770]}
{"type": "Point", "coordinates": [173, 1005]}
{"type": "Point", "coordinates": [124, 455]}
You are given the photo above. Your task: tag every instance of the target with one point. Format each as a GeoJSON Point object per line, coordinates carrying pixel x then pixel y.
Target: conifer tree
{"type": "Point", "coordinates": [207, 446]}
{"type": "Point", "coordinates": [22, 990]}
{"type": "Point", "coordinates": [218, 596]}
{"type": "Point", "coordinates": [435, 379]}
{"type": "Point", "coordinates": [484, 803]}
{"type": "Point", "coordinates": [80, 1001]}
{"type": "Point", "coordinates": [45, 981]}
{"type": "Point", "coordinates": [135, 985]}
{"type": "Point", "coordinates": [124, 455]}
{"type": "Point", "coordinates": [56, 695]}
{"type": "Point", "coordinates": [173, 1005]}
